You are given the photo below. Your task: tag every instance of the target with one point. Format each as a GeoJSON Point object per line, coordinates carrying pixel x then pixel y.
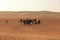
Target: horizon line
{"type": "Point", "coordinates": [28, 11]}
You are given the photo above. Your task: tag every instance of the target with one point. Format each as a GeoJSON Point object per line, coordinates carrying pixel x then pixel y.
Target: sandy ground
{"type": "Point", "coordinates": [49, 29]}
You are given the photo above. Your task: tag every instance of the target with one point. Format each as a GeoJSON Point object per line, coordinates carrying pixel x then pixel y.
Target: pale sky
{"type": "Point", "coordinates": [30, 5]}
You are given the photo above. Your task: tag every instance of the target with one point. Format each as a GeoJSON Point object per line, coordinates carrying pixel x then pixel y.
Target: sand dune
{"type": "Point", "coordinates": [49, 29]}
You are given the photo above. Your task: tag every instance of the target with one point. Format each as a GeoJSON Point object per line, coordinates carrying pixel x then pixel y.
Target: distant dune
{"type": "Point", "coordinates": [49, 29]}
{"type": "Point", "coordinates": [29, 13]}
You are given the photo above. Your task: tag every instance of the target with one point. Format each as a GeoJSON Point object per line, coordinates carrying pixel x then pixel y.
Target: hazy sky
{"type": "Point", "coordinates": [29, 5]}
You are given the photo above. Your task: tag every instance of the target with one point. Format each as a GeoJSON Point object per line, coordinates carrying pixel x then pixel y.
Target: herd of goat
{"type": "Point", "coordinates": [28, 21]}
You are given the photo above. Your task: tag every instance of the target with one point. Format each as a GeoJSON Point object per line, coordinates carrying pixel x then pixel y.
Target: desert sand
{"type": "Point", "coordinates": [49, 29]}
